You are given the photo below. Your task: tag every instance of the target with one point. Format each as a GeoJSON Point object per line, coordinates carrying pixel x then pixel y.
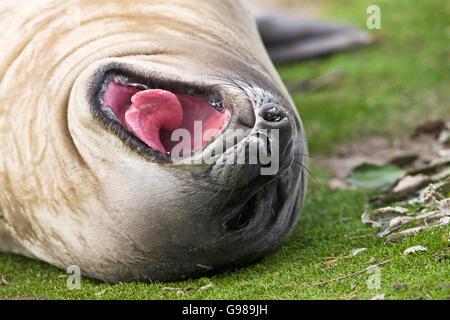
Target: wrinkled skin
{"type": "Point", "coordinates": [72, 192]}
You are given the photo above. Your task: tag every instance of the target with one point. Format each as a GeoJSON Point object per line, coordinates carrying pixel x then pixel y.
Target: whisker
{"type": "Point", "coordinates": [259, 83]}
{"type": "Point", "coordinates": [228, 79]}
{"type": "Point", "coordinates": [245, 80]}
{"type": "Point", "coordinates": [272, 90]}
{"type": "Point", "coordinates": [309, 173]}
{"type": "Point", "coordinates": [303, 155]}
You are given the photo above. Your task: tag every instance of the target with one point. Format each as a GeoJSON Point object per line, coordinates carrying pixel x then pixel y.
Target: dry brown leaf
{"type": "Point", "coordinates": [435, 212]}
{"type": "Point", "coordinates": [410, 184]}
{"type": "Point", "coordinates": [357, 251]}
{"type": "Point", "coordinates": [399, 285]}
{"type": "Point", "coordinates": [208, 286]}
{"type": "Point", "coordinates": [414, 249]}
{"type": "Point", "coordinates": [428, 152]}
{"type": "Point", "coordinates": [171, 289]}
{"type": "Point", "coordinates": [432, 127]}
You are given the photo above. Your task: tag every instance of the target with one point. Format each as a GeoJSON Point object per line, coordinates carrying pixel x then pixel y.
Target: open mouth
{"type": "Point", "coordinates": [162, 115]}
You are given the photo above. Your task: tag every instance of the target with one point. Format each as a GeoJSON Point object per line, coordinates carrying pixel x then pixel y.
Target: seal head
{"type": "Point", "coordinates": [91, 174]}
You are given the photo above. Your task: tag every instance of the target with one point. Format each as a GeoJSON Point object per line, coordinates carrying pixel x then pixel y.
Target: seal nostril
{"type": "Point", "coordinates": [242, 219]}
{"type": "Point", "coordinates": [273, 114]}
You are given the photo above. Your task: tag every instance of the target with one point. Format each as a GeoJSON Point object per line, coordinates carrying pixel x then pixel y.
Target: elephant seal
{"type": "Point", "coordinates": [90, 91]}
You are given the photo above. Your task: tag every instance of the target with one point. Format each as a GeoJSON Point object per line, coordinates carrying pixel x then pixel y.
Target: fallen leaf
{"type": "Point", "coordinates": [431, 127]}
{"type": "Point", "coordinates": [171, 289]}
{"type": "Point", "coordinates": [405, 233]}
{"type": "Point", "coordinates": [414, 249]}
{"type": "Point", "coordinates": [357, 251]}
{"type": "Point", "coordinates": [204, 267]}
{"type": "Point", "coordinates": [428, 152]}
{"type": "Point", "coordinates": [4, 281]}
{"type": "Point", "coordinates": [379, 297]}
{"type": "Point", "coordinates": [403, 159]}
{"type": "Point", "coordinates": [433, 166]}
{"type": "Point", "coordinates": [444, 221]}
{"type": "Point", "coordinates": [190, 292]}
{"type": "Point", "coordinates": [399, 285]}
{"type": "Point", "coordinates": [208, 286]}
{"type": "Point", "coordinates": [409, 184]}
{"type": "Point", "coordinates": [381, 219]}
{"type": "Point", "coordinates": [101, 292]}
{"type": "Point", "coordinates": [374, 177]}
{"type": "Point", "coordinates": [388, 220]}
{"type": "Point", "coordinates": [359, 237]}
{"type": "Point", "coordinates": [444, 137]}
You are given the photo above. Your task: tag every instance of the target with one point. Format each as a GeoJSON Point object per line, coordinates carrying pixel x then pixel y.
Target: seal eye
{"type": "Point", "coordinates": [242, 219]}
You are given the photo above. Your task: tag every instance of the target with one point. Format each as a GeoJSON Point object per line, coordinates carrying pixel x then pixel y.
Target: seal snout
{"type": "Point", "coordinates": [275, 119]}
{"type": "Point", "coordinates": [273, 113]}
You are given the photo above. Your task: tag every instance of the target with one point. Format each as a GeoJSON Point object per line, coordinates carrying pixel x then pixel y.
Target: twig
{"type": "Point", "coordinates": [350, 297]}
{"type": "Point", "coordinates": [317, 284]}
{"type": "Point", "coordinates": [336, 259]}
{"type": "Point", "coordinates": [22, 298]}
{"type": "Point", "coordinates": [173, 289]}
{"type": "Point", "coordinates": [360, 237]}
{"type": "Point", "coordinates": [204, 266]}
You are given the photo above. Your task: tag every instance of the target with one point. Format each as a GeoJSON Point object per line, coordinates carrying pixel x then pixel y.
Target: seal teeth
{"type": "Point", "coordinates": [109, 112]}
{"type": "Point", "coordinates": [121, 80]}
{"type": "Point", "coordinates": [139, 86]}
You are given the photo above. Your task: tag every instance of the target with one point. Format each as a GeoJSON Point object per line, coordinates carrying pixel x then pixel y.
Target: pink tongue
{"type": "Point", "coordinates": [151, 111]}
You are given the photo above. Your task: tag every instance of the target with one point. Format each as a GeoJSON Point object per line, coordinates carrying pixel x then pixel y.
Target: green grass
{"type": "Point", "coordinates": [385, 90]}
{"type": "Point", "coordinates": [327, 228]}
